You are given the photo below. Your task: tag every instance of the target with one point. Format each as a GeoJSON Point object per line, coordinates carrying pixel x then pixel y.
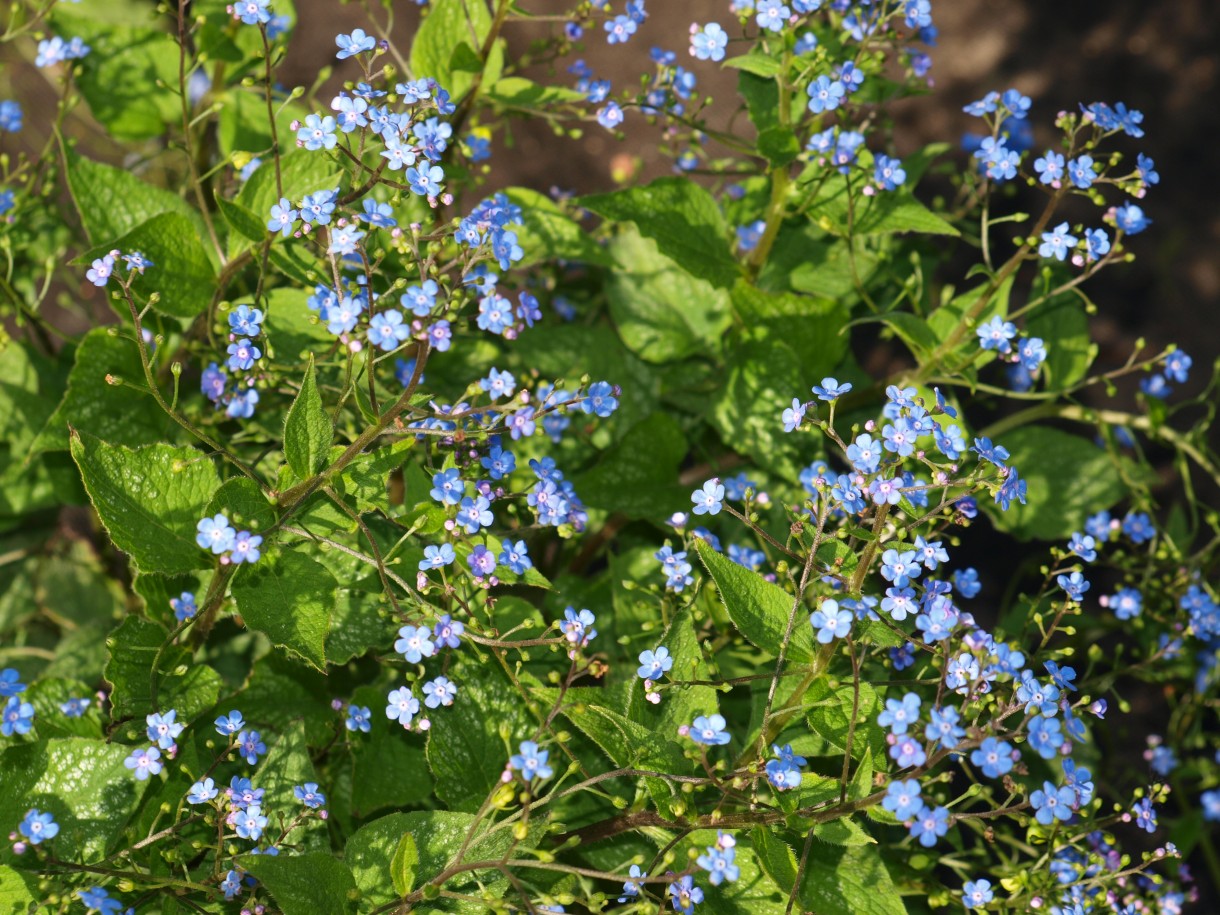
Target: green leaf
{"type": "Point", "coordinates": [621, 482]}
{"type": "Point", "coordinates": [289, 597]}
{"type": "Point", "coordinates": [149, 499]}
{"type": "Point", "coordinates": [1067, 478]}
{"type": "Point", "coordinates": [113, 201]}
{"type": "Point", "coordinates": [247, 228]}
{"type": "Point", "coordinates": [548, 233]}
{"type": "Point", "coordinates": [93, 405]}
{"type": "Point", "coordinates": [183, 684]}
{"type": "Point", "coordinates": [302, 172]}
{"type": "Point", "coordinates": [451, 35]}
{"type": "Point", "coordinates": [307, 430]}
{"type": "Point", "coordinates": [305, 884]}
{"type": "Point", "coordinates": [15, 896]}
{"type": "Point", "coordinates": [293, 331]}
{"type": "Point", "coordinates": [682, 218]}
{"type": "Point", "coordinates": [402, 867]}
{"type": "Point", "coordinates": [756, 63]}
{"type": "Point", "coordinates": [912, 330]}
{"type": "Point", "coordinates": [662, 312]}
{"type": "Point", "coordinates": [81, 782]}
{"type": "Point", "coordinates": [243, 503]}
{"type": "Point", "coordinates": [948, 316]}
{"type": "Point", "coordinates": [1063, 325]}
{"type": "Point", "coordinates": [779, 145]}
{"type": "Point", "coordinates": [759, 609]}
{"type": "Point", "coordinates": [465, 749]}
{"type": "Point", "coordinates": [836, 880]}
{"type": "Point", "coordinates": [831, 715]}
{"type": "Point", "coordinates": [518, 93]}
{"type": "Point", "coordinates": [357, 625]}
{"type": "Point", "coordinates": [182, 271]}
{"type": "Point", "coordinates": [119, 76]}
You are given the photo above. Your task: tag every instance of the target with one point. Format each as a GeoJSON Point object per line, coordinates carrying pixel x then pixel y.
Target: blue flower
{"type": "Point", "coordinates": [994, 757]}
{"type": "Point", "coordinates": [439, 692]}
{"type": "Point", "coordinates": [436, 557]}
{"type": "Point", "coordinates": [830, 389]}
{"type": "Point", "coordinates": [685, 895]}
{"type": "Point", "coordinates": [250, 823]}
{"type": "Point", "coordinates": [1138, 527]}
{"type": "Point", "coordinates": [415, 643]}
{"type": "Point", "coordinates": [475, 513]}
{"type": "Point", "coordinates": [1127, 604]}
{"type": "Point", "coordinates": [1045, 736]}
{"type": "Point", "coordinates": [358, 718]}
{"type": "Point", "coordinates": [246, 547]}
{"type": "Point", "coordinates": [830, 621]}
{"type": "Point", "coordinates": [655, 664]}
{"type": "Point", "coordinates": [864, 453]}
{"type": "Point", "coordinates": [163, 730]}
{"type": "Point", "coordinates": [1049, 168]}
{"type": "Point", "coordinates": [888, 173]}
{"type": "Point", "coordinates": [231, 885]}
{"type": "Point", "coordinates": [708, 42]}
{"type": "Point", "coordinates": [252, 12]}
{"type": "Point", "coordinates": [1080, 170]}
{"type": "Point", "coordinates": [387, 330]}
{"type": "Point", "coordinates": [317, 133]}
{"type": "Point", "coordinates": [1051, 803]}
{"type": "Point", "coordinates": [709, 499]}
{"type": "Point", "coordinates": [1177, 366]}
{"type": "Point", "coordinates": [719, 864]}
{"type": "Point", "coordinates": [202, 791]}
{"type": "Point", "coordinates": [1145, 815]}
{"type": "Point", "coordinates": [631, 888]}
{"type": "Point", "coordinates": [902, 799]}
{"type": "Point", "coordinates": [996, 333]}
{"type": "Point", "coordinates": [37, 826]}
{"type": "Point", "coordinates": [100, 271]}
{"type": "Point", "coordinates": [906, 751]}
{"type": "Point", "coordinates": [18, 717]}
{"type": "Point", "coordinates": [929, 824]}
{"type": "Point", "coordinates": [943, 727]}
{"type": "Point", "coordinates": [230, 724]}
{"type": "Point", "coordinates": [402, 706]}
{"type": "Point", "coordinates": [976, 893]}
{"type": "Point", "coordinates": [1056, 243]}
{"type": "Point", "coordinates": [515, 556]}
{"type": "Point", "coordinates": [709, 730]}
{"type": "Point", "coordinates": [899, 568]}
{"type": "Point", "coordinates": [215, 534]}
{"type": "Point", "coordinates": [1074, 585]}
{"type": "Point", "coordinates": [530, 761]}
{"type": "Point", "coordinates": [898, 715]}
{"type": "Point", "coordinates": [309, 795]}
{"type": "Point", "coordinates": [242, 355]}
{"type": "Point", "coordinates": [824, 94]}
{"type": "Point", "coordinates": [355, 43]}
{"type": "Point", "coordinates": [578, 627]}
{"type": "Point", "coordinates": [144, 763]}
{"type": "Point", "coordinates": [1083, 546]}
{"type": "Point", "coordinates": [426, 182]}
{"type": "Point", "coordinates": [250, 746]}
{"type": "Point", "coordinates": [10, 682]}
{"type": "Point", "coordinates": [482, 561]}
{"type": "Point", "coordinates": [600, 399]}
{"type": "Point", "coordinates": [899, 437]}
{"type": "Point", "coordinates": [772, 15]}
{"type": "Point", "coordinates": [74, 708]}
{"type": "Point", "coordinates": [96, 899]}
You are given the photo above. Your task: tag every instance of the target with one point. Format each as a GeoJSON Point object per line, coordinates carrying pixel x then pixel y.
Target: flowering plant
{"type": "Point", "coordinates": [652, 627]}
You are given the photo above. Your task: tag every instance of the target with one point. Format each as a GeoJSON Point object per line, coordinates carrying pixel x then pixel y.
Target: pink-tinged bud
{"type": "Point", "coordinates": [869, 191]}
{"type": "Point", "coordinates": [225, 560]}
{"type": "Point", "coordinates": [1036, 902]}
{"type": "Point", "coordinates": [506, 776]}
{"type": "Point", "coordinates": [421, 581]}
{"type": "Point", "coordinates": [396, 233]}
{"type": "Point", "coordinates": [355, 346]}
{"type": "Point", "coordinates": [432, 201]}
{"type": "Point", "coordinates": [684, 730]}
{"type": "Point", "coordinates": [762, 499]}
{"type": "Point", "coordinates": [172, 752]}
{"type": "Point", "coordinates": [424, 724]}
{"type": "Point", "coordinates": [648, 684]}
{"type": "Point", "coordinates": [336, 704]}
{"type": "Point", "coordinates": [450, 524]}
{"type": "Point", "coordinates": [654, 698]}
{"type": "Point", "coordinates": [324, 814]}
{"type": "Point", "coordinates": [870, 426]}
{"type": "Point", "coordinates": [694, 27]}
{"type": "Point", "coordinates": [725, 840]}
{"type": "Point", "coordinates": [342, 222]}
{"type": "Point", "coordinates": [446, 198]}
{"type": "Point", "coordinates": [1077, 260]}
{"type": "Point", "coordinates": [19, 848]}
{"type": "Point", "coordinates": [295, 125]}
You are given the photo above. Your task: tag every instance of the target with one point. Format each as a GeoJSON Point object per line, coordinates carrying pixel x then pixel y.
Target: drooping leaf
{"type": "Point", "coordinates": [447, 44]}
{"type": "Point", "coordinates": [183, 685]}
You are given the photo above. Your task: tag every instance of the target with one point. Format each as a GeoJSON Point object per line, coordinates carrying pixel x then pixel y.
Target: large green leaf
{"type": "Point", "coordinates": [305, 884]}
{"type": "Point", "coordinates": [289, 597]}
{"type": "Point", "coordinates": [91, 404]}
{"type": "Point", "coordinates": [181, 270]}
{"type": "Point", "coordinates": [150, 499]}
{"type": "Point", "coordinates": [837, 880]}
{"type": "Point", "coordinates": [465, 747]}
{"type": "Point", "coordinates": [15, 895]}
{"type": "Point", "coordinates": [182, 685]}
{"type": "Point", "coordinates": [662, 312]}
{"type": "Point", "coordinates": [1063, 325]}
{"type": "Point", "coordinates": [81, 782]}
{"type": "Point", "coordinates": [1067, 479]}
{"type": "Point", "coordinates": [759, 609]}
{"type": "Point", "coordinates": [682, 218]}
{"type": "Point", "coordinates": [113, 201]}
